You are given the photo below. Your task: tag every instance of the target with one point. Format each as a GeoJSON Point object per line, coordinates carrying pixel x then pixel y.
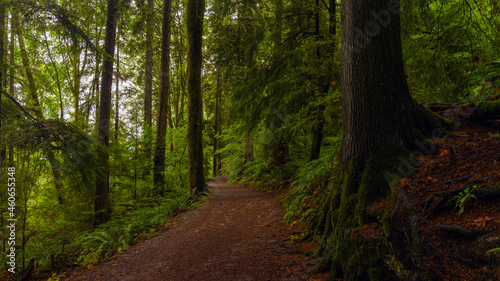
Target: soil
{"type": "Point", "coordinates": [453, 246]}
{"type": "Point", "coordinates": [466, 158]}
{"type": "Point", "coordinates": [238, 234]}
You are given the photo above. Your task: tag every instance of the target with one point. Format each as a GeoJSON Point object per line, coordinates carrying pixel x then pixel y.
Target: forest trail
{"type": "Point", "coordinates": [238, 234]}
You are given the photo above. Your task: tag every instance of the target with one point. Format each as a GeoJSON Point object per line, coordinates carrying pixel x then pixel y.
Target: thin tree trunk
{"type": "Point", "coordinates": [216, 157]}
{"type": "Point", "coordinates": [251, 49]}
{"type": "Point", "coordinates": [163, 110]}
{"type": "Point", "coordinates": [195, 10]}
{"type": "Point", "coordinates": [117, 91]}
{"type": "Point", "coordinates": [323, 83]}
{"type": "Point", "coordinates": [59, 91]}
{"type": "Point", "coordinates": [11, 76]}
{"type": "Point", "coordinates": [332, 19]}
{"type": "Point", "coordinates": [96, 81]}
{"type": "Point", "coordinates": [102, 209]}
{"type": "Point", "coordinates": [148, 78]}
{"type": "Point", "coordinates": [76, 86]}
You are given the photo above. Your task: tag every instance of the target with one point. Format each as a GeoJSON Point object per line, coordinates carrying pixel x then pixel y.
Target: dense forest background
{"type": "Point", "coordinates": [267, 112]}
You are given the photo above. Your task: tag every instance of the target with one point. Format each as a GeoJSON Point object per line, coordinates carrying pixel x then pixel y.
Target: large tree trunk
{"type": "Point", "coordinates": [101, 206]}
{"type": "Point", "coordinates": [148, 78]}
{"type": "Point", "coordinates": [163, 109]}
{"type": "Point", "coordinates": [381, 124]}
{"type": "Point", "coordinates": [195, 10]}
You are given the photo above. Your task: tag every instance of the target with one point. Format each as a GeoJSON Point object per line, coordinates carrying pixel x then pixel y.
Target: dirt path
{"type": "Point", "coordinates": [237, 234]}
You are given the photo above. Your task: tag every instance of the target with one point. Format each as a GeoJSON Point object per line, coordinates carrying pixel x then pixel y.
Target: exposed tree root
{"type": "Point", "coordinates": [482, 194]}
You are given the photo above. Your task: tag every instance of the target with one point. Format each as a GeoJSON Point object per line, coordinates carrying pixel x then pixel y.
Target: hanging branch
{"type": "Point", "coordinates": [33, 119]}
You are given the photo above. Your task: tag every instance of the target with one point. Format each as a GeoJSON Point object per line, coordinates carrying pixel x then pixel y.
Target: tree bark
{"type": "Point", "coordinates": [97, 73]}
{"type": "Point", "coordinates": [217, 129]}
{"type": "Point", "coordinates": [195, 10]}
{"type": "Point", "coordinates": [381, 124]}
{"type": "Point", "coordinates": [117, 89]}
{"type": "Point", "coordinates": [102, 209]}
{"type": "Point", "coordinates": [148, 79]}
{"type": "Point", "coordinates": [163, 109]}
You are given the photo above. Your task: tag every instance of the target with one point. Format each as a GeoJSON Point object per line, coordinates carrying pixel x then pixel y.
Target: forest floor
{"type": "Point", "coordinates": [467, 162]}
{"type": "Point", "coordinates": [454, 246]}
{"type": "Point", "coordinates": [238, 234]}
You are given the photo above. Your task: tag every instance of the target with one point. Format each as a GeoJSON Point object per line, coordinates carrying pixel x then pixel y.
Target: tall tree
{"type": "Point", "coordinates": [117, 87]}
{"type": "Point", "coordinates": [249, 56]}
{"type": "Point", "coordinates": [217, 124]}
{"type": "Point", "coordinates": [148, 76]}
{"type": "Point", "coordinates": [381, 121]}
{"type": "Point", "coordinates": [11, 76]}
{"type": "Point", "coordinates": [195, 10]}
{"type": "Point", "coordinates": [163, 108]}
{"type": "Point", "coordinates": [324, 80]}
{"type": "Point", "coordinates": [101, 204]}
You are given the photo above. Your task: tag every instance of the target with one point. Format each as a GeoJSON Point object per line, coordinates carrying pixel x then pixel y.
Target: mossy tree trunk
{"type": "Point", "coordinates": [163, 105]}
{"type": "Point", "coordinates": [101, 205]}
{"type": "Point", "coordinates": [381, 122]}
{"type": "Point", "coordinates": [195, 10]}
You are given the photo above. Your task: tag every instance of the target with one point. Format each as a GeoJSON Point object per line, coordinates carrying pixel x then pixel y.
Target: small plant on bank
{"type": "Point", "coordinates": [494, 250]}
{"type": "Point", "coordinates": [463, 197]}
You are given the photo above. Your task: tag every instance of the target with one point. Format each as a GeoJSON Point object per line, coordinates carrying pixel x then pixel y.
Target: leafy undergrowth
{"type": "Point", "coordinates": [115, 236]}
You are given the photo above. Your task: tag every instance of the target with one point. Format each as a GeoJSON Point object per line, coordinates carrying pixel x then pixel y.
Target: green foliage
{"type": "Point", "coordinates": [447, 46]}
{"type": "Point", "coordinates": [304, 196]}
{"type": "Point", "coordinates": [463, 197]}
{"type": "Point", "coordinates": [486, 81]}
{"type": "Point", "coordinates": [117, 235]}
{"type": "Point", "coordinates": [494, 250]}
